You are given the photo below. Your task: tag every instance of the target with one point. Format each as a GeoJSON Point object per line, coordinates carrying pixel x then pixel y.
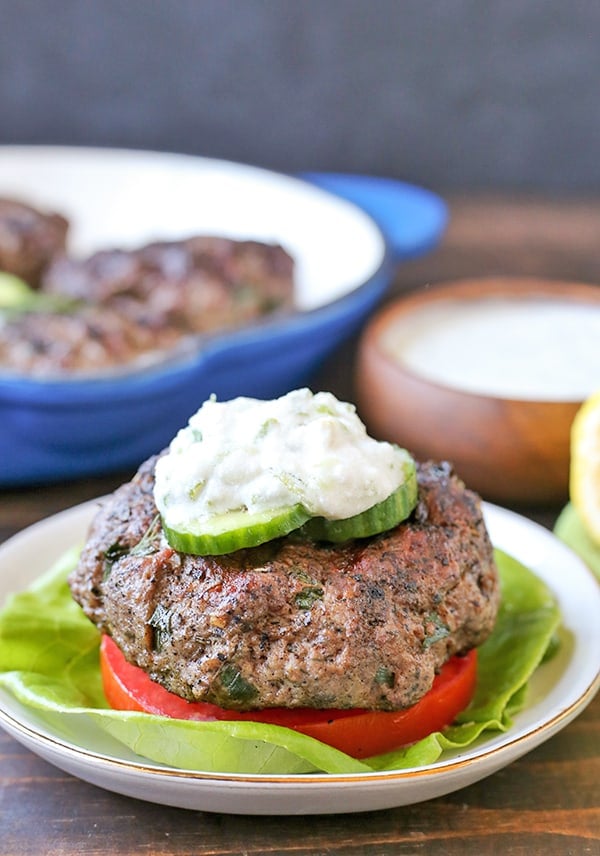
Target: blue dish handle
{"type": "Point", "coordinates": [411, 218]}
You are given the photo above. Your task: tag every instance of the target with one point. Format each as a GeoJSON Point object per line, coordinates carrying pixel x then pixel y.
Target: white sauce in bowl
{"type": "Point", "coordinates": [529, 348]}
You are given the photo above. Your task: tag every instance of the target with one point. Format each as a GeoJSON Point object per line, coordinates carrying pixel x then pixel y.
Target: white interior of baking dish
{"type": "Point", "coordinates": [118, 198]}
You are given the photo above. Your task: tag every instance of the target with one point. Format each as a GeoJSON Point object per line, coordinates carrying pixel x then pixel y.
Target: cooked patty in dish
{"type": "Point", "coordinates": [29, 239]}
{"type": "Point", "coordinates": [197, 285]}
{"type": "Point", "coordinates": [133, 307]}
{"type": "Point", "coordinates": [87, 339]}
{"type": "Point", "coordinates": [294, 623]}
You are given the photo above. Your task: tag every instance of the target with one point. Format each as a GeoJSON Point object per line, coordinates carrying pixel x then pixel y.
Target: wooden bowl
{"type": "Point", "coordinates": [510, 448]}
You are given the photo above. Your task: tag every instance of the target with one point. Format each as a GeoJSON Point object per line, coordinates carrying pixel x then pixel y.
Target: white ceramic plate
{"type": "Point", "coordinates": [559, 691]}
{"type": "Point", "coordinates": [120, 198]}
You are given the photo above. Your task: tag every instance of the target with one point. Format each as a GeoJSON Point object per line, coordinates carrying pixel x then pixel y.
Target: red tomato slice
{"type": "Point", "coordinates": [359, 733]}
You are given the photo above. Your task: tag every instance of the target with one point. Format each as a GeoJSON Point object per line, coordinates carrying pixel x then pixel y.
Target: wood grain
{"type": "Point", "coordinates": [546, 803]}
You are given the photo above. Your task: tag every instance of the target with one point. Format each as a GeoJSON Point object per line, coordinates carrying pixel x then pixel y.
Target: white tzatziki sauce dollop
{"type": "Point", "coordinates": [248, 454]}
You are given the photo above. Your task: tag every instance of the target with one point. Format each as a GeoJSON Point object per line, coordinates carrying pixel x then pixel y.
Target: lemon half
{"type": "Point", "coordinates": [585, 465]}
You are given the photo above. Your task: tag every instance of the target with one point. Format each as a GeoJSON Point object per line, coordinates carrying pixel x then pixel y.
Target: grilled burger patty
{"type": "Point", "coordinates": [132, 306]}
{"type": "Point", "coordinates": [293, 623]}
{"type": "Point", "coordinates": [29, 239]}
{"type": "Point", "coordinates": [198, 285]}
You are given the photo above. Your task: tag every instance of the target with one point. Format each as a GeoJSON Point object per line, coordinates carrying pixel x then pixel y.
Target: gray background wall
{"type": "Point", "coordinates": [463, 93]}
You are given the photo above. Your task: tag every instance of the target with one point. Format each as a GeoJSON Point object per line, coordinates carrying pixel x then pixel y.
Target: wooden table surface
{"type": "Point", "coordinates": [548, 802]}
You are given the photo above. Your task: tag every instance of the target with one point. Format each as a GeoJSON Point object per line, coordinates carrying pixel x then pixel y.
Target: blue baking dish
{"type": "Point", "coordinates": [55, 430]}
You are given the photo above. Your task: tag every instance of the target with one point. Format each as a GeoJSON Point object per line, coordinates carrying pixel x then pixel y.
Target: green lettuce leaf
{"type": "Point", "coordinates": [49, 663]}
{"type": "Point", "coordinates": [570, 528]}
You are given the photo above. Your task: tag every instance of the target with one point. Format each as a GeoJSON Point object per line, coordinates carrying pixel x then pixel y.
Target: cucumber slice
{"type": "Point", "coordinates": [14, 292]}
{"type": "Point", "coordinates": [235, 530]}
{"type": "Point", "coordinates": [16, 297]}
{"type": "Point", "coordinates": [380, 517]}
